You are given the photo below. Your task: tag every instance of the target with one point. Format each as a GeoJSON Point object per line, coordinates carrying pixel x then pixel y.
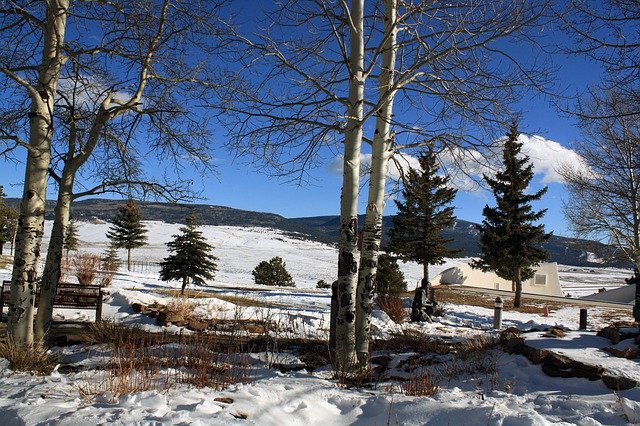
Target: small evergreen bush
{"type": "Point", "coordinates": [273, 272]}
{"type": "Point", "coordinates": [323, 284]}
{"type": "Point", "coordinates": [389, 278]}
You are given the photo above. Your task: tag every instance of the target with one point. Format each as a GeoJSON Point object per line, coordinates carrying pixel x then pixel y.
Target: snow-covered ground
{"type": "Point", "coordinates": [516, 392]}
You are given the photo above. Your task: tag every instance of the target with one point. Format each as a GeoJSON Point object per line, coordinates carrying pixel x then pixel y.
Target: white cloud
{"type": "Point", "coordinates": [549, 156]}
{"type": "Point", "coordinates": [467, 166]}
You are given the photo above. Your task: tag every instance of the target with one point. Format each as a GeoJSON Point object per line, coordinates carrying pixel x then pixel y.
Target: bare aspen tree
{"type": "Point", "coordinates": [140, 110]}
{"type": "Point", "coordinates": [604, 190]}
{"type": "Point", "coordinates": [35, 68]}
{"type": "Point", "coordinates": [131, 68]}
{"type": "Point", "coordinates": [445, 67]}
{"type": "Point", "coordinates": [450, 85]}
{"type": "Point", "coordinates": [381, 154]}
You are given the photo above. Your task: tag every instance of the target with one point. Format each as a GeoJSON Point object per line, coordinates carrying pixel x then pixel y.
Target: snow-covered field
{"type": "Point", "coordinates": [515, 393]}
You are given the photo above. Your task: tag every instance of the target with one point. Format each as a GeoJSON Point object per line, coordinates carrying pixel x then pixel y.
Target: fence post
{"type": "Point", "coordinates": [583, 318]}
{"type": "Point", "coordinates": [497, 314]}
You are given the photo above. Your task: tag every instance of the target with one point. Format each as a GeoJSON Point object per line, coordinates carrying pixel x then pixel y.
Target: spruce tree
{"type": "Point", "coordinates": [510, 241]}
{"type": "Point", "coordinates": [416, 234]}
{"type": "Point", "coordinates": [110, 259]}
{"type": "Point", "coordinates": [71, 240]}
{"type": "Point", "coordinates": [8, 221]}
{"type": "Point", "coordinates": [389, 277]}
{"type": "Point", "coordinates": [127, 230]}
{"type": "Point", "coordinates": [273, 272]}
{"type": "Point", "coordinates": [191, 258]}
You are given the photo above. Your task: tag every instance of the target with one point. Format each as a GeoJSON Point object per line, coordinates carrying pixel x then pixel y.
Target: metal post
{"type": "Point", "coordinates": [497, 314]}
{"type": "Point", "coordinates": [583, 318]}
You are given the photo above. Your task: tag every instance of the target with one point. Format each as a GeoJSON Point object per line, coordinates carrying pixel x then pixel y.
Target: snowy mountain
{"type": "Point", "coordinates": [568, 251]}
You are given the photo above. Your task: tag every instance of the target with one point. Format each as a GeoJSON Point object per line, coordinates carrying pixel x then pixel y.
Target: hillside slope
{"type": "Point", "coordinates": [568, 251]}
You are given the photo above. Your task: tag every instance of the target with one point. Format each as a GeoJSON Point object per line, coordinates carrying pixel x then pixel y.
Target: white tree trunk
{"type": "Point", "coordinates": [52, 268]}
{"type": "Point", "coordinates": [32, 208]}
{"type": "Point", "coordinates": [382, 152]}
{"type": "Point", "coordinates": [348, 242]}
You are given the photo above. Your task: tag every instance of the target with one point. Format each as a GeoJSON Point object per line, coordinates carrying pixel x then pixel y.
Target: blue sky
{"type": "Point", "coordinates": [238, 184]}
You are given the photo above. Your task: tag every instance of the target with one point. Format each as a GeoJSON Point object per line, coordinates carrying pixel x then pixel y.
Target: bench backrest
{"type": "Point", "coordinates": [67, 296]}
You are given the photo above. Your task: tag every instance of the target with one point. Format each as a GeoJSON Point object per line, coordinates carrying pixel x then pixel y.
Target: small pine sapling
{"type": "Point", "coordinates": [273, 272]}
{"type": "Point", "coordinates": [191, 259]}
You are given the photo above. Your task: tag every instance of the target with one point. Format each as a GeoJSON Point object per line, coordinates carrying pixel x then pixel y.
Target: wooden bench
{"type": "Point", "coordinates": [67, 296]}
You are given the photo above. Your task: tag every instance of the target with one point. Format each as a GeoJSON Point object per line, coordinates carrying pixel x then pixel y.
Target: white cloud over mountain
{"type": "Point", "coordinates": [467, 166]}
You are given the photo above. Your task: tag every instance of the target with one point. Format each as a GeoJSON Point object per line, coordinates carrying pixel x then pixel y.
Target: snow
{"type": "Point", "coordinates": [513, 392]}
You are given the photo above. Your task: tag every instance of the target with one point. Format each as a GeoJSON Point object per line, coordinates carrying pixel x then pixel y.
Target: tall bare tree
{"type": "Point", "coordinates": [33, 67]}
{"type": "Point", "coordinates": [128, 82]}
{"type": "Point", "coordinates": [104, 111]}
{"type": "Point", "coordinates": [604, 191]}
{"type": "Point", "coordinates": [449, 81]}
{"type": "Point", "coordinates": [445, 67]}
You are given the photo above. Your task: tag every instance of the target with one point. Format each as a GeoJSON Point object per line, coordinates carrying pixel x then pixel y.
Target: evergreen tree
{"type": "Point", "coordinates": [510, 242]}
{"type": "Point", "coordinates": [71, 240]}
{"type": "Point", "coordinates": [110, 259]}
{"type": "Point", "coordinates": [127, 230]}
{"type": "Point", "coordinates": [424, 213]}
{"type": "Point", "coordinates": [191, 259]}
{"type": "Point", "coordinates": [8, 221]}
{"type": "Point", "coordinates": [389, 277]}
{"type": "Point", "coordinates": [273, 272]}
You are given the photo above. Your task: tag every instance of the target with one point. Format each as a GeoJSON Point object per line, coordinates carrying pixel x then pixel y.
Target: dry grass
{"type": "Point", "coordinates": [422, 384]}
{"type": "Point", "coordinates": [392, 306]}
{"type": "Point", "coordinates": [5, 261]}
{"type": "Point", "coordinates": [141, 361]}
{"type": "Point", "coordinates": [85, 267]}
{"type": "Point", "coordinates": [27, 358]}
{"type": "Point", "coordinates": [180, 307]}
{"type": "Point", "coordinates": [235, 299]}
{"type": "Point", "coordinates": [458, 296]}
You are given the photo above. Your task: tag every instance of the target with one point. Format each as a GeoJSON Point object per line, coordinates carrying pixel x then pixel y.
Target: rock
{"type": "Point", "coordinates": [554, 332]}
{"type": "Point", "coordinates": [619, 383]}
{"type": "Point", "coordinates": [224, 400]}
{"type": "Point", "coordinates": [138, 307]}
{"type": "Point", "coordinates": [197, 325]}
{"type": "Point", "coordinates": [628, 353]}
{"type": "Point", "coordinates": [610, 333]}
{"type": "Point", "coordinates": [167, 318]}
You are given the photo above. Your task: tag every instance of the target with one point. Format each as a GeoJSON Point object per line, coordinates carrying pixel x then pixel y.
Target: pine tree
{"type": "Point", "coordinates": [127, 230]}
{"type": "Point", "coordinates": [191, 259]}
{"type": "Point", "coordinates": [110, 259]}
{"type": "Point", "coordinates": [389, 277]}
{"type": "Point", "coordinates": [273, 272]}
{"type": "Point", "coordinates": [510, 242]}
{"type": "Point", "coordinates": [8, 221]}
{"type": "Point", "coordinates": [71, 240]}
{"type": "Point", "coordinates": [424, 213]}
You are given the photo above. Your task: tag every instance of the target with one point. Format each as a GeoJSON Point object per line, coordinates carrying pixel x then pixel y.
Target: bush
{"type": "Point", "coordinates": [389, 278]}
{"type": "Point", "coordinates": [392, 306]}
{"type": "Point", "coordinates": [27, 358]}
{"type": "Point", "coordinates": [85, 267]}
{"type": "Point", "coordinates": [323, 284]}
{"type": "Point", "coordinates": [273, 272]}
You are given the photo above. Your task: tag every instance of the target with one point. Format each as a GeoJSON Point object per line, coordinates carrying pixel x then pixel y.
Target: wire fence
{"type": "Point", "coordinates": [140, 267]}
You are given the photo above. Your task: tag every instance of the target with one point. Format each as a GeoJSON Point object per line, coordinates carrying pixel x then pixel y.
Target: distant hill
{"type": "Point", "coordinates": [568, 251]}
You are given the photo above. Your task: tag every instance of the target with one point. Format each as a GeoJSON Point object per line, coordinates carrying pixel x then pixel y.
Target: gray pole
{"type": "Point", "coordinates": [497, 314]}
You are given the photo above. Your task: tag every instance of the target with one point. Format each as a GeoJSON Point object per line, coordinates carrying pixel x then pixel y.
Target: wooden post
{"type": "Point", "coordinates": [583, 319]}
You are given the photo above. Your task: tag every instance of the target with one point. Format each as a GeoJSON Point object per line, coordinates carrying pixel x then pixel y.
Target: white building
{"type": "Point", "coordinates": [545, 280]}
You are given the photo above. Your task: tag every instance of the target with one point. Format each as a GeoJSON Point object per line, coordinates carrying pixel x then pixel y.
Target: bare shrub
{"type": "Point", "coordinates": [202, 362]}
{"type": "Point", "coordinates": [181, 306]}
{"type": "Point", "coordinates": [422, 384]}
{"type": "Point", "coordinates": [140, 360]}
{"type": "Point", "coordinates": [27, 358]}
{"type": "Point", "coordinates": [392, 306]}
{"type": "Point", "coordinates": [85, 267]}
